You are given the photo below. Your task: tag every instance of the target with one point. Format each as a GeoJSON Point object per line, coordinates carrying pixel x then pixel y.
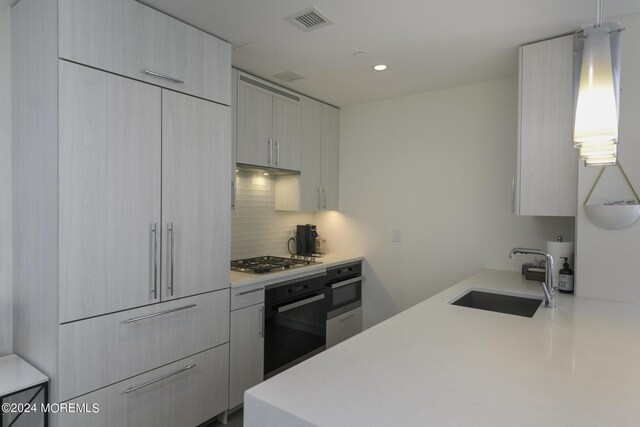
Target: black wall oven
{"type": "Point", "coordinates": [295, 322]}
{"type": "Point", "coordinates": [344, 289]}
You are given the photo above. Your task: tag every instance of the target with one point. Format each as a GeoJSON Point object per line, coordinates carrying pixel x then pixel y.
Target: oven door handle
{"type": "Point", "coordinates": [300, 303]}
{"type": "Point", "coordinates": [346, 282]}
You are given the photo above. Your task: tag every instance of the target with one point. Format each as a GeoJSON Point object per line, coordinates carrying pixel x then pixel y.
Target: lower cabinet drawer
{"type": "Point", "coordinates": [185, 393]}
{"type": "Point", "coordinates": [103, 350]}
{"type": "Point", "coordinates": [343, 327]}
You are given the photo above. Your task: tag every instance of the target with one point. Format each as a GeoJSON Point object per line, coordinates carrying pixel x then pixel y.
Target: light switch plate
{"type": "Point", "coordinates": [396, 235]}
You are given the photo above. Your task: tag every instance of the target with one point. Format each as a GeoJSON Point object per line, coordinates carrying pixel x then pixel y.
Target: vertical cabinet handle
{"type": "Point", "coordinates": [513, 195]}
{"type": "Point", "coordinates": [324, 191]}
{"type": "Point", "coordinates": [154, 289]}
{"type": "Point", "coordinates": [171, 246]}
{"type": "Point", "coordinates": [277, 152]}
{"type": "Point", "coordinates": [262, 321]}
{"type": "Point", "coordinates": [233, 194]}
{"type": "Point", "coordinates": [270, 150]}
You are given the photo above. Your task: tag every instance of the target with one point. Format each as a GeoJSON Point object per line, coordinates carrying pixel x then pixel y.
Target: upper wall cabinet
{"type": "Point", "coordinates": [547, 178]}
{"type": "Point", "coordinates": [319, 175]}
{"type": "Point", "coordinates": [268, 125]}
{"type": "Point", "coordinates": [128, 38]}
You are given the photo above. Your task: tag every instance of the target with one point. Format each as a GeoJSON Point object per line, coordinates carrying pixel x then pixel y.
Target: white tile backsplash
{"type": "Point", "coordinates": [256, 227]}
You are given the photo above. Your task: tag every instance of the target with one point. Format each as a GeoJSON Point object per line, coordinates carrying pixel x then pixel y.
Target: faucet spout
{"type": "Point", "coordinates": [547, 285]}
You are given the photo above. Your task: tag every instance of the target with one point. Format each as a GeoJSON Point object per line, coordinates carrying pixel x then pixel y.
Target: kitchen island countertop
{"type": "Point", "coordinates": [443, 365]}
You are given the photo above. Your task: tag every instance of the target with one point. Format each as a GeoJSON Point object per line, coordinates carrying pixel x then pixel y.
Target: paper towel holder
{"type": "Point", "coordinates": [613, 216]}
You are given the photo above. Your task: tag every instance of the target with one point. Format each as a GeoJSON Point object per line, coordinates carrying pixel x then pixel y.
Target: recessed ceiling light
{"type": "Point", "coordinates": [380, 67]}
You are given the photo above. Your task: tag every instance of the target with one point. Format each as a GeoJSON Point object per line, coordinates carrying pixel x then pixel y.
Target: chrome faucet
{"type": "Point", "coordinates": [547, 285]}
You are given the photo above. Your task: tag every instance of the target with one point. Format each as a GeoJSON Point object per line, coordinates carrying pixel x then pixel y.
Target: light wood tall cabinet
{"type": "Point", "coordinates": [547, 178]}
{"type": "Point", "coordinates": [268, 125]}
{"type": "Point", "coordinates": [121, 214]}
{"type": "Point", "coordinates": [329, 157]}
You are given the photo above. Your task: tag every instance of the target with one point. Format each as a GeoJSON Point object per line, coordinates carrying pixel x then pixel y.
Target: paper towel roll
{"type": "Point", "coordinates": [558, 250]}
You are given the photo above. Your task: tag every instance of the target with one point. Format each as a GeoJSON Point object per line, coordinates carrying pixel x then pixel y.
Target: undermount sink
{"type": "Point", "coordinates": [508, 304]}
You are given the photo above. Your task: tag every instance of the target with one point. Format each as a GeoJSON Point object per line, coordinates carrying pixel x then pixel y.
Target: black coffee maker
{"type": "Point", "coordinates": [306, 236]}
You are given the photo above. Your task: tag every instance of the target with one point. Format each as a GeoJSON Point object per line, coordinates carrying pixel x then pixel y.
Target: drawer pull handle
{"type": "Point", "coordinates": [163, 76]}
{"type": "Point", "coordinates": [347, 318]}
{"type": "Point", "coordinates": [148, 316]}
{"type": "Point", "coordinates": [164, 377]}
{"type": "Point", "coordinates": [249, 292]}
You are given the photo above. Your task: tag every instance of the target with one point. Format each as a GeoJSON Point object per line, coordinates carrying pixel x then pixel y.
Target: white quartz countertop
{"type": "Point", "coordinates": [436, 364]}
{"type": "Point", "coordinates": [326, 261]}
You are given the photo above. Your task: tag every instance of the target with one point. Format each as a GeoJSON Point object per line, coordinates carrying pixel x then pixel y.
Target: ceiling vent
{"type": "Point", "coordinates": [287, 76]}
{"type": "Point", "coordinates": [309, 19]}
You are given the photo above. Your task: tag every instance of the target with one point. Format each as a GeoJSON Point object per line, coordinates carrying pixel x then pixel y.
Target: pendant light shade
{"type": "Point", "coordinates": [596, 122]}
{"type": "Point", "coordinates": [596, 89]}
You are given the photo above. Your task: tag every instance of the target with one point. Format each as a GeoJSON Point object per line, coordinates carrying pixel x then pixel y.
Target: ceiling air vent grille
{"type": "Point", "coordinates": [309, 19]}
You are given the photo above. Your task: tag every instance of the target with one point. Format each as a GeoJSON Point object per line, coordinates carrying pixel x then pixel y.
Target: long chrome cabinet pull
{"type": "Point", "coordinates": [262, 321]}
{"type": "Point", "coordinates": [171, 245]}
{"type": "Point", "coordinates": [270, 150]}
{"type": "Point", "coordinates": [164, 377]}
{"type": "Point", "coordinates": [277, 152]}
{"type": "Point", "coordinates": [160, 313]}
{"type": "Point", "coordinates": [324, 191]}
{"type": "Point", "coordinates": [154, 230]}
{"type": "Point", "coordinates": [300, 303]}
{"type": "Point", "coordinates": [250, 292]}
{"type": "Point", "coordinates": [233, 194]}
{"type": "Point", "coordinates": [513, 196]}
{"type": "Point", "coordinates": [163, 76]}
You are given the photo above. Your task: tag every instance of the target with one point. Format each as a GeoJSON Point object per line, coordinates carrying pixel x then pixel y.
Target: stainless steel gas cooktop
{"type": "Point", "coordinates": [270, 264]}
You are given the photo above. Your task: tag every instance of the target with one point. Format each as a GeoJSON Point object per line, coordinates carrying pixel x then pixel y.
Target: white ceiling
{"type": "Point", "coordinates": [429, 44]}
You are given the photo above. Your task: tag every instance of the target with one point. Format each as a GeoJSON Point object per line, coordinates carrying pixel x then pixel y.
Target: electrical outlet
{"type": "Point", "coordinates": [396, 235]}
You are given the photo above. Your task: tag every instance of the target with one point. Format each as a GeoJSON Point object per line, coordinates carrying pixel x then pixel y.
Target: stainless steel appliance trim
{"type": "Point", "coordinates": [270, 150]}
{"type": "Point", "coordinates": [346, 317]}
{"type": "Point", "coordinates": [164, 377]}
{"type": "Point", "coordinates": [171, 246]}
{"type": "Point", "coordinates": [163, 76]}
{"type": "Point", "coordinates": [342, 310]}
{"type": "Point", "coordinates": [346, 282]}
{"type": "Point", "coordinates": [250, 292]}
{"type": "Point", "coordinates": [296, 280]}
{"type": "Point", "coordinates": [154, 230]}
{"type": "Point", "coordinates": [160, 313]}
{"type": "Point", "coordinates": [300, 303]}
{"type": "Point", "coordinates": [262, 321]}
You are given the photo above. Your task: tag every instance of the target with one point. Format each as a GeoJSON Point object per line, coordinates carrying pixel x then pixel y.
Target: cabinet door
{"type": "Point", "coordinates": [311, 140]}
{"type": "Point", "coordinates": [329, 157]}
{"type": "Point", "coordinates": [196, 159]}
{"type": "Point", "coordinates": [109, 192]}
{"type": "Point", "coordinates": [255, 117]}
{"type": "Point", "coordinates": [286, 134]}
{"type": "Point", "coordinates": [129, 38]}
{"type": "Point", "coordinates": [247, 351]}
{"type": "Point", "coordinates": [548, 163]}
{"type": "Point", "coordinates": [344, 326]}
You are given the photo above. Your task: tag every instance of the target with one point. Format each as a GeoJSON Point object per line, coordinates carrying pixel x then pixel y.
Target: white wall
{"type": "Point", "coordinates": [438, 166]}
{"type": "Point", "coordinates": [607, 263]}
{"type": "Point", "coordinates": [5, 183]}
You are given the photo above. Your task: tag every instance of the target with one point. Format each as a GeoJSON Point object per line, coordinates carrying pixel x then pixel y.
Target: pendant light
{"type": "Point", "coordinates": [596, 107]}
